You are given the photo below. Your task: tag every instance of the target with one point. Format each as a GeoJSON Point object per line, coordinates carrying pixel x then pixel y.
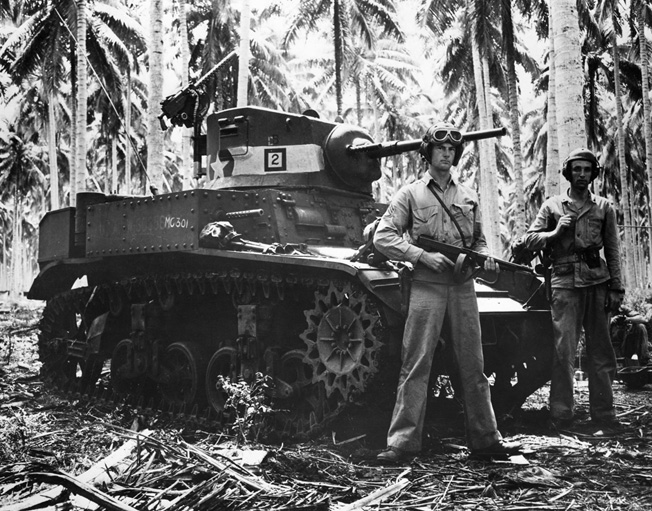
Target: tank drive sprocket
{"type": "Point", "coordinates": [342, 347]}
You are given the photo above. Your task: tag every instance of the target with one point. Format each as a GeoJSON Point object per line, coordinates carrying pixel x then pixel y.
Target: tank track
{"type": "Point", "coordinates": [328, 363]}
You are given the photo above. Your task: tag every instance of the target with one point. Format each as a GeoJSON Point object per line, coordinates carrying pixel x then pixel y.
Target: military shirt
{"type": "Point", "coordinates": [594, 228]}
{"type": "Point", "coordinates": [414, 211]}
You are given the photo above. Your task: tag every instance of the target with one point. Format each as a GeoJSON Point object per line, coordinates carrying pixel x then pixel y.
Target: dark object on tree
{"type": "Point", "coordinates": [260, 272]}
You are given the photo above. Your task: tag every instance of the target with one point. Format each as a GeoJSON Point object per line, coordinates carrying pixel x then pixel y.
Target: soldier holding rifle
{"type": "Point", "coordinates": [439, 206]}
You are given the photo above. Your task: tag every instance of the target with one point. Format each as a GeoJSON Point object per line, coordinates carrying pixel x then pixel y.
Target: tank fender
{"type": "Point", "coordinates": [383, 284]}
{"type": "Point", "coordinates": [54, 278]}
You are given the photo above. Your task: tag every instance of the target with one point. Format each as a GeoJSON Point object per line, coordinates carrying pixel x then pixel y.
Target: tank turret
{"type": "Point", "coordinates": [249, 147]}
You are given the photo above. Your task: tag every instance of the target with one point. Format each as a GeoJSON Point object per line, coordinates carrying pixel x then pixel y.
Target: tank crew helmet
{"type": "Point", "coordinates": [442, 133]}
{"type": "Point", "coordinates": [581, 154]}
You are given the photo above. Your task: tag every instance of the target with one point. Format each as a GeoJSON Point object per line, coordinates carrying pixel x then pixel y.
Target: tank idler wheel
{"type": "Point", "coordinates": [307, 407]}
{"type": "Point", "coordinates": [185, 366]}
{"type": "Point", "coordinates": [63, 326]}
{"type": "Point", "coordinates": [224, 362]}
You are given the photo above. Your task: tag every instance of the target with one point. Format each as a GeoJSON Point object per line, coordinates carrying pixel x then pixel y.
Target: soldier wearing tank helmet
{"type": "Point", "coordinates": [436, 296]}
{"type": "Point", "coordinates": [578, 230]}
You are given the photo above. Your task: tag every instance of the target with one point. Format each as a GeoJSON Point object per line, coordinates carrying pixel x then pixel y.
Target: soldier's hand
{"type": "Point", "coordinates": [564, 223]}
{"type": "Point", "coordinates": [490, 264]}
{"type": "Point", "coordinates": [436, 261]}
{"type": "Point", "coordinates": [614, 301]}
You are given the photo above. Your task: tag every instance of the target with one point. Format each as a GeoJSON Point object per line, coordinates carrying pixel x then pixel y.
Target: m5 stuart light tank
{"type": "Point", "coordinates": [159, 297]}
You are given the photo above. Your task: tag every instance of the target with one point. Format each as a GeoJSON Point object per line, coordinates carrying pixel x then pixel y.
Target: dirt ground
{"type": "Point", "coordinates": [49, 442]}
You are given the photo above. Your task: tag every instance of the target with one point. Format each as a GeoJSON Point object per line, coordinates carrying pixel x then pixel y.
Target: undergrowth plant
{"type": "Point", "coordinates": [248, 403]}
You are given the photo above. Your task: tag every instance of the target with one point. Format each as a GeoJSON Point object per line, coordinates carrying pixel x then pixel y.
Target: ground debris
{"type": "Point", "coordinates": [68, 454]}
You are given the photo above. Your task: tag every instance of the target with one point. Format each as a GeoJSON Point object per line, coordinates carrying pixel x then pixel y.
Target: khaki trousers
{"type": "Point", "coordinates": [573, 309]}
{"type": "Point", "coordinates": [429, 304]}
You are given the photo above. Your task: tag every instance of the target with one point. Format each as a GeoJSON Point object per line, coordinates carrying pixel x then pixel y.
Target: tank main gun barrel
{"type": "Point", "coordinates": [383, 149]}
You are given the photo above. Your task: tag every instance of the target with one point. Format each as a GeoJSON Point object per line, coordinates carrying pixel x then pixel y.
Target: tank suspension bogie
{"type": "Point", "coordinates": [180, 336]}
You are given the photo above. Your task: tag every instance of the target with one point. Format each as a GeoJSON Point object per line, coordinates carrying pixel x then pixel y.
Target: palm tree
{"type": "Point", "coordinates": [81, 86]}
{"type": "Point", "coordinates": [245, 53]}
{"type": "Point", "coordinates": [19, 177]}
{"type": "Point", "coordinates": [568, 76]}
{"type": "Point", "coordinates": [348, 17]}
{"type": "Point", "coordinates": [552, 182]}
{"type": "Point", "coordinates": [184, 55]}
{"type": "Point", "coordinates": [608, 16]}
{"type": "Point", "coordinates": [155, 156]}
{"type": "Point", "coordinates": [52, 76]}
{"type": "Point", "coordinates": [43, 43]}
{"type": "Point", "coordinates": [511, 84]}
{"type": "Point", "coordinates": [642, 14]}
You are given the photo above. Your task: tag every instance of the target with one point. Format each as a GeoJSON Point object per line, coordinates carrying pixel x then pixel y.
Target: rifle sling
{"type": "Point", "coordinates": [431, 187]}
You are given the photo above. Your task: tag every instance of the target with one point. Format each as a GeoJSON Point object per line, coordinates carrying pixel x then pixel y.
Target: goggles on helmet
{"type": "Point", "coordinates": [441, 135]}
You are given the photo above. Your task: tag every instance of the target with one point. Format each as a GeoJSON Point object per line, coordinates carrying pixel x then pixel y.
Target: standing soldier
{"type": "Point", "coordinates": [573, 228]}
{"type": "Point", "coordinates": [438, 205]}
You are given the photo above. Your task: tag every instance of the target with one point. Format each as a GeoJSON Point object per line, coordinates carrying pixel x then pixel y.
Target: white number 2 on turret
{"type": "Point", "coordinates": [275, 159]}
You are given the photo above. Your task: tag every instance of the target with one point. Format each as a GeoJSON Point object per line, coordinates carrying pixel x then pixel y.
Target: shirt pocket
{"type": "Point", "coordinates": [464, 216]}
{"type": "Point", "coordinates": [595, 229]}
{"type": "Point", "coordinates": [425, 220]}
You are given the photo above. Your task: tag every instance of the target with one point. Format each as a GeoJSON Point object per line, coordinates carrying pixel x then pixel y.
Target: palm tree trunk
{"type": "Point", "coordinates": [15, 248]}
{"type": "Point", "coordinates": [337, 36]}
{"type": "Point", "coordinates": [114, 165]}
{"type": "Point", "coordinates": [647, 128]}
{"type": "Point", "coordinates": [80, 121]}
{"type": "Point", "coordinates": [553, 175]}
{"type": "Point", "coordinates": [514, 116]}
{"type": "Point", "coordinates": [155, 158]}
{"type": "Point", "coordinates": [487, 210]}
{"type": "Point", "coordinates": [569, 79]}
{"type": "Point", "coordinates": [358, 102]}
{"type": "Point", "coordinates": [243, 61]}
{"type": "Point", "coordinates": [491, 183]}
{"type": "Point", "coordinates": [186, 133]}
{"type": "Point", "coordinates": [127, 187]}
{"type": "Point", "coordinates": [630, 275]}
{"type": "Point", "coordinates": [52, 151]}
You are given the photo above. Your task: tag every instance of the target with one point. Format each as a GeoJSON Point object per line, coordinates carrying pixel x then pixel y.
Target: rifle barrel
{"type": "Point", "coordinates": [428, 243]}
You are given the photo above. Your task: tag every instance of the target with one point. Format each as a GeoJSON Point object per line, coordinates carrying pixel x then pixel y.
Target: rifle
{"type": "Point", "coordinates": [468, 263]}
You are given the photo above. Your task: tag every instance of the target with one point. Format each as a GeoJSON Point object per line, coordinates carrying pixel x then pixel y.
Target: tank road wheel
{"type": "Point", "coordinates": [62, 336]}
{"type": "Point", "coordinates": [342, 347]}
{"type": "Point", "coordinates": [224, 362]}
{"type": "Point", "coordinates": [306, 407]}
{"type": "Point", "coordinates": [185, 365]}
